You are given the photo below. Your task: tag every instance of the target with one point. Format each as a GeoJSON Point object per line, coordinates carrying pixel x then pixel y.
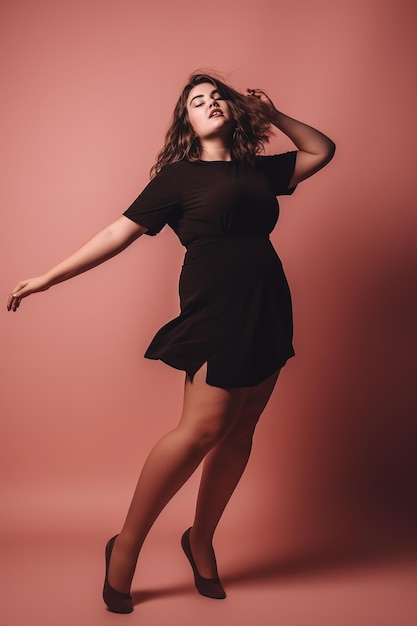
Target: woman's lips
{"type": "Point", "coordinates": [216, 113]}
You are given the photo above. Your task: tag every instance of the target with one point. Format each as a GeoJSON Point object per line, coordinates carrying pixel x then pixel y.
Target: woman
{"type": "Point", "coordinates": [234, 332]}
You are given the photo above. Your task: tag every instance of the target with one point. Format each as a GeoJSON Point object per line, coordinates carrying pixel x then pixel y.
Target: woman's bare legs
{"type": "Point", "coordinates": [208, 414]}
{"type": "Point", "coordinates": [222, 470]}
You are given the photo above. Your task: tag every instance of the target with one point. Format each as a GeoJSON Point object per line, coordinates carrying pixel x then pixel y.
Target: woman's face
{"type": "Point", "coordinates": [208, 113]}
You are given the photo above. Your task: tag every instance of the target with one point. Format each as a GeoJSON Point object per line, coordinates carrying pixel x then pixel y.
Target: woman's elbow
{"type": "Point", "coordinates": [327, 153]}
{"type": "Point", "coordinates": [331, 149]}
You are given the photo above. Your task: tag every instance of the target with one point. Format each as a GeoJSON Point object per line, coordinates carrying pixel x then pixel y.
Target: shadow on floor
{"type": "Point", "coordinates": [147, 595]}
{"type": "Point", "coordinates": [314, 563]}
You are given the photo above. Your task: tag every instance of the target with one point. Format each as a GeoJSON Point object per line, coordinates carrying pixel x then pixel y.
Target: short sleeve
{"type": "Point", "coordinates": [279, 169]}
{"type": "Point", "coordinates": [155, 205]}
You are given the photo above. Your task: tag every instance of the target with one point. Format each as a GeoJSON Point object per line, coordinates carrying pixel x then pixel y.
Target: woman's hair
{"type": "Point", "coordinates": [252, 126]}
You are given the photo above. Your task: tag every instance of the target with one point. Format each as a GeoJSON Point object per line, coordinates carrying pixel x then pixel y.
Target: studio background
{"type": "Point", "coordinates": [88, 90]}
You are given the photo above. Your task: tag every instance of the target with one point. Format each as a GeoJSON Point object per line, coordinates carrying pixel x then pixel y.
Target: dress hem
{"type": "Point", "coordinates": [210, 380]}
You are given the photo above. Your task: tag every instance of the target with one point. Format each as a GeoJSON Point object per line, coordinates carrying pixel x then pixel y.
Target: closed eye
{"type": "Point", "coordinates": [197, 102]}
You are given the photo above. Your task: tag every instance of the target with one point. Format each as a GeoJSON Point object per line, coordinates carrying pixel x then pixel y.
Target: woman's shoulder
{"type": "Point", "coordinates": [175, 166]}
{"type": "Point", "coordinates": [171, 171]}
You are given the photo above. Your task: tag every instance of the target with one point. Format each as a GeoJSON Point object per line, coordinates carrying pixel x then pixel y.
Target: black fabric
{"type": "Point", "coordinates": [235, 302]}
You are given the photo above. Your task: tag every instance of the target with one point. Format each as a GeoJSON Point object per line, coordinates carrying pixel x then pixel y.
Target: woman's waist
{"type": "Point", "coordinates": [225, 243]}
{"type": "Point", "coordinates": [222, 250]}
{"type": "Point", "coordinates": [224, 238]}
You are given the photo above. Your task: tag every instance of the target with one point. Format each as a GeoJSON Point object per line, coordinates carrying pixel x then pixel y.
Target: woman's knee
{"type": "Point", "coordinates": [205, 432]}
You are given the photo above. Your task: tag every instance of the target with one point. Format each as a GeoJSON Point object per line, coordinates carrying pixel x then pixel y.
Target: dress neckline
{"type": "Point", "coordinates": [216, 161]}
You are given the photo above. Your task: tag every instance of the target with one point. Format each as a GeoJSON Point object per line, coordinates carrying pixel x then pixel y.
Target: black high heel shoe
{"type": "Point", "coordinates": [210, 587]}
{"type": "Point", "coordinates": [116, 601]}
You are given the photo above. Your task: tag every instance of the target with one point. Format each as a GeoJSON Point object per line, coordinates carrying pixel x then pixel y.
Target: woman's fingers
{"type": "Point", "coordinates": [23, 289]}
{"type": "Point", "coordinates": [13, 302]}
{"type": "Point", "coordinates": [256, 92]}
{"type": "Point", "coordinates": [15, 296]}
{"type": "Point", "coordinates": [261, 95]}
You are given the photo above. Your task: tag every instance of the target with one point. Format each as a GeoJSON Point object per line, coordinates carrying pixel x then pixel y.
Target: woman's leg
{"type": "Point", "coordinates": [208, 413]}
{"type": "Point", "coordinates": [222, 470]}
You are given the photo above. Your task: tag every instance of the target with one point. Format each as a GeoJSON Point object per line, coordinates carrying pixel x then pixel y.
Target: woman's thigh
{"type": "Point", "coordinates": [253, 406]}
{"type": "Point", "coordinates": [218, 410]}
{"type": "Point", "coordinates": [209, 407]}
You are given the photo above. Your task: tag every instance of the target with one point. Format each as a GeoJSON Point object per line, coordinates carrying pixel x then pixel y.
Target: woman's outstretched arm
{"type": "Point", "coordinates": [104, 245]}
{"type": "Point", "coordinates": [315, 150]}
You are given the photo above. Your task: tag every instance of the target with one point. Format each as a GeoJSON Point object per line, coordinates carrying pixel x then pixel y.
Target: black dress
{"type": "Point", "coordinates": [235, 302]}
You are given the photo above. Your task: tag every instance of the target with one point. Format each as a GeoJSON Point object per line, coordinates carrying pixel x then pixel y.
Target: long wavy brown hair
{"type": "Point", "coordinates": [251, 132]}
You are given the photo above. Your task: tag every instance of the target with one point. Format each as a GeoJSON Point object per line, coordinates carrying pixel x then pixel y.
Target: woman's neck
{"type": "Point", "coordinates": [215, 151]}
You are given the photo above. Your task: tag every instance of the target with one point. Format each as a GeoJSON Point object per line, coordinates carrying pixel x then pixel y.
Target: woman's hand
{"type": "Point", "coordinates": [26, 288]}
{"type": "Point", "coordinates": [262, 97]}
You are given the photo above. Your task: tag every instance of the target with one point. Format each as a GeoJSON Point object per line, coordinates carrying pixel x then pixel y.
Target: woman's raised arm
{"type": "Point", "coordinates": [104, 245]}
{"type": "Point", "coordinates": [315, 150]}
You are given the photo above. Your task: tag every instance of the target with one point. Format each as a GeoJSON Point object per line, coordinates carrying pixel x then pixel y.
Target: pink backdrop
{"type": "Point", "coordinates": [90, 88]}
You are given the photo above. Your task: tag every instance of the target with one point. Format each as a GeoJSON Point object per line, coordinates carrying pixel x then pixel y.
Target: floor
{"type": "Point", "coordinates": [56, 581]}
